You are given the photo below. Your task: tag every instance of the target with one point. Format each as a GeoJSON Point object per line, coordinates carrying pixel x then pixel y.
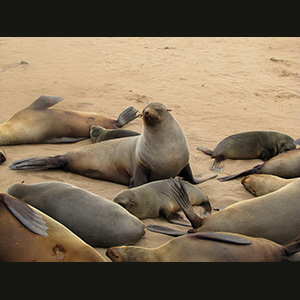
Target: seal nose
{"type": "Point", "coordinates": [146, 113]}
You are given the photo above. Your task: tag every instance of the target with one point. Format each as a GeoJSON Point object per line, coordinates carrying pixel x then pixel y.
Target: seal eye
{"type": "Point", "coordinates": [159, 110]}
{"type": "Point", "coordinates": [282, 144]}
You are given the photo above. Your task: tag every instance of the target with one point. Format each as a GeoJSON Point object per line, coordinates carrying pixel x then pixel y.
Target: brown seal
{"type": "Point", "coordinates": [160, 152]}
{"type": "Point", "coordinates": [249, 145]}
{"type": "Point", "coordinates": [86, 214]}
{"type": "Point", "coordinates": [275, 216]}
{"type": "Point", "coordinates": [28, 235]}
{"type": "Point", "coordinates": [155, 199]}
{"type": "Point", "coordinates": [262, 184]}
{"type": "Point", "coordinates": [285, 165]}
{"type": "Point", "coordinates": [100, 134]}
{"type": "Point", "coordinates": [208, 247]}
{"type": "Point", "coordinates": [38, 124]}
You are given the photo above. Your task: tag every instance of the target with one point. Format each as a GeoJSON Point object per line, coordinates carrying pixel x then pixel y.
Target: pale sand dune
{"type": "Point", "coordinates": [215, 87]}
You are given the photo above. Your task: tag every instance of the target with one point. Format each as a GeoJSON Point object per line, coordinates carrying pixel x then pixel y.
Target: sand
{"type": "Point", "coordinates": [215, 87]}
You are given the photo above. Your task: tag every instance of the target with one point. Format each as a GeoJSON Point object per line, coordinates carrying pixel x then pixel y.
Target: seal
{"type": "Point", "coordinates": [249, 145]}
{"type": "Point", "coordinates": [208, 247]}
{"type": "Point", "coordinates": [262, 184]}
{"type": "Point", "coordinates": [155, 199]}
{"type": "Point", "coordinates": [285, 165]}
{"type": "Point", "coordinates": [275, 216]}
{"type": "Point", "coordinates": [37, 124]}
{"type": "Point", "coordinates": [99, 134]}
{"type": "Point", "coordinates": [160, 152]}
{"type": "Point", "coordinates": [28, 235]}
{"type": "Point", "coordinates": [96, 220]}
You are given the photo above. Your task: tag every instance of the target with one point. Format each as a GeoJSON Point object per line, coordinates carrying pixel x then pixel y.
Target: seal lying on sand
{"type": "Point", "coordinates": [28, 235]}
{"type": "Point", "coordinates": [208, 247]}
{"type": "Point", "coordinates": [285, 165]}
{"type": "Point", "coordinates": [155, 198]}
{"type": "Point", "coordinates": [160, 152]}
{"type": "Point", "coordinates": [262, 184]}
{"type": "Point", "coordinates": [275, 216]}
{"type": "Point", "coordinates": [38, 124]}
{"type": "Point", "coordinates": [247, 145]}
{"type": "Point", "coordinates": [96, 220]}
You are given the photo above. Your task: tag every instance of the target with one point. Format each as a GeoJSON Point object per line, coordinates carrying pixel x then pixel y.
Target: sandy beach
{"type": "Point", "coordinates": [215, 87]}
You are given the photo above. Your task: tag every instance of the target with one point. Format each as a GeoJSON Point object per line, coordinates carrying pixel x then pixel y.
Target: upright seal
{"type": "Point", "coordinates": [160, 152]}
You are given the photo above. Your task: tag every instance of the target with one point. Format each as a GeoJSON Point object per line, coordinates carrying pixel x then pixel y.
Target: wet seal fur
{"type": "Point", "coordinates": [275, 216]}
{"type": "Point", "coordinates": [249, 145]}
{"type": "Point", "coordinates": [285, 165]}
{"type": "Point", "coordinates": [155, 199]}
{"type": "Point", "coordinates": [28, 235]}
{"type": "Point", "coordinates": [208, 247]}
{"type": "Point", "coordinates": [160, 152]}
{"type": "Point", "coordinates": [96, 220]}
{"type": "Point", "coordinates": [38, 124]}
{"type": "Point", "coordinates": [262, 184]}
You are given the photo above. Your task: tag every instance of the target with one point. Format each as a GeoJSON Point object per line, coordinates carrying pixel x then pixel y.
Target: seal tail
{"type": "Point", "coordinates": [38, 163]}
{"type": "Point", "coordinates": [254, 170]}
{"type": "Point", "coordinates": [127, 116]}
{"type": "Point", "coordinates": [205, 150]}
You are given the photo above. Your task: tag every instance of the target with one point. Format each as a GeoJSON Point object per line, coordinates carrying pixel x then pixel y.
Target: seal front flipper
{"type": "Point", "coordinates": [222, 237]}
{"type": "Point", "coordinates": [165, 230]}
{"type": "Point", "coordinates": [127, 116]}
{"type": "Point", "coordinates": [182, 198]}
{"type": "Point", "coordinates": [254, 170]}
{"type": "Point", "coordinates": [30, 218]}
{"type": "Point", "coordinates": [187, 175]}
{"type": "Point", "coordinates": [44, 102]}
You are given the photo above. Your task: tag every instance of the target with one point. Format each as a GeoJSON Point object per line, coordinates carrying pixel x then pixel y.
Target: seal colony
{"type": "Point", "coordinates": [265, 228]}
{"type": "Point", "coordinates": [160, 152]}
{"type": "Point", "coordinates": [37, 124]}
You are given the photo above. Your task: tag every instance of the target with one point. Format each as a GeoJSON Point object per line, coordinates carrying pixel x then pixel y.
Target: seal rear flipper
{"type": "Point", "coordinates": [165, 230]}
{"type": "Point", "coordinates": [127, 116]}
{"type": "Point", "coordinates": [205, 150]}
{"type": "Point", "coordinates": [44, 102]}
{"type": "Point", "coordinates": [254, 170]}
{"type": "Point", "coordinates": [292, 252]}
{"type": "Point", "coordinates": [217, 166]}
{"type": "Point", "coordinates": [221, 237]}
{"type": "Point", "coordinates": [180, 194]}
{"type": "Point", "coordinates": [30, 218]}
{"type": "Point", "coordinates": [38, 163]}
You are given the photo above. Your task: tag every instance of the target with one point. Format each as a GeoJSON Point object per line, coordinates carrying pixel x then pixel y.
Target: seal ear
{"type": "Point", "coordinates": [169, 109]}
